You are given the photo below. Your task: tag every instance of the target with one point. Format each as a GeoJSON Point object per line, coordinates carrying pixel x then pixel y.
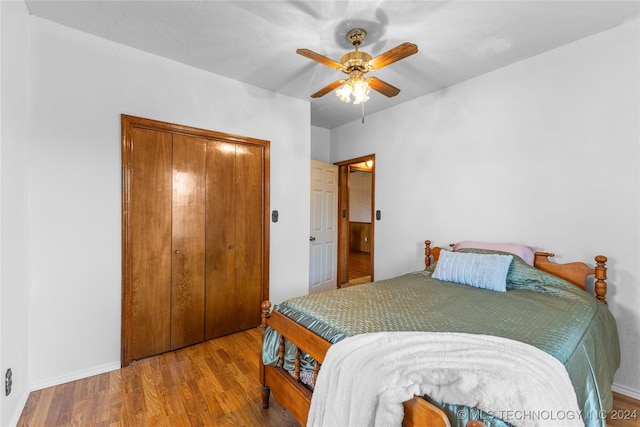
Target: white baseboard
{"type": "Point", "coordinates": [76, 376]}
{"type": "Point", "coordinates": [626, 391]}
{"type": "Point", "coordinates": [20, 408]}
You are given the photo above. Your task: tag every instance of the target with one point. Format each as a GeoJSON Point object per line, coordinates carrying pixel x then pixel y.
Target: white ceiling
{"type": "Point", "coordinates": [256, 41]}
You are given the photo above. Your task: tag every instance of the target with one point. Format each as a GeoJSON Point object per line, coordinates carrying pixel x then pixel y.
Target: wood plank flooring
{"type": "Point", "coordinates": [625, 412]}
{"type": "Point", "coordinates": [210, 384]}
{"type": "Point", "coordinates": [359, 265]}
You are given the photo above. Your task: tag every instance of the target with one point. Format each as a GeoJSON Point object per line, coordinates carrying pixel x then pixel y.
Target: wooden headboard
{"type": "Point", "coordinates": [573, 272]}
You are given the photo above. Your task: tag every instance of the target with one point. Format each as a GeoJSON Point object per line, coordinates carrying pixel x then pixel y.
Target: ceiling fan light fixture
{"type": "Point", "coordinates": [360, 91]}
{"type": "Point", "coordinates": [344, 92]}
{"type": "Point", "coordinates": [357, 86]}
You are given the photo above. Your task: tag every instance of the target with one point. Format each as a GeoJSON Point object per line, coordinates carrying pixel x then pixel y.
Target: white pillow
{"type": "Point", "coordinates": [485, 271]}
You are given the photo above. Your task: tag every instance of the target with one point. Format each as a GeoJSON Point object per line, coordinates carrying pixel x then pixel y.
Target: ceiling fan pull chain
{"type": "Point", "coordinates": [362, 113]}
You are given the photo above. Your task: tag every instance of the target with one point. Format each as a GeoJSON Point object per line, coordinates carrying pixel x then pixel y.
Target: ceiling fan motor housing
{"type": "Point", "coordinates": [355, 61]}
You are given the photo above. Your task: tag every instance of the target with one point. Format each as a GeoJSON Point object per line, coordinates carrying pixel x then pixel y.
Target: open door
{"type": "Point", "coordinates": [356, 220]}
{"type": "Point", "coordinates": [323, 232]}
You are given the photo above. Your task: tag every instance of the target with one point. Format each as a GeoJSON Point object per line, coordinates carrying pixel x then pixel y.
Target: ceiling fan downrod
{"type": "Point", "coordinates": [356, 60]}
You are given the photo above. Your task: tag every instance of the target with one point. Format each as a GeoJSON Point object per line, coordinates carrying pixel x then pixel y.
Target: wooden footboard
{"type": "Point", "coordinates": [295, 397]}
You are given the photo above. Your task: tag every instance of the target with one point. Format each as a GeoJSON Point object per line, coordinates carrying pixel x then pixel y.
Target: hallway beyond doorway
{"type": "Point", "coordinates": [359, 267]}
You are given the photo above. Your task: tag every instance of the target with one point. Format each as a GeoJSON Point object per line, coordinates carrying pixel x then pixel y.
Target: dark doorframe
{"type": "Point", "coordinates": [344, 167]}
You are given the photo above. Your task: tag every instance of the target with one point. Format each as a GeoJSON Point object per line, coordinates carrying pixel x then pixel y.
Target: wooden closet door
{"type": "Point", "coordinates": [249, 190]}
{"type": "Point", "coordinates": [194, 235]}
{"type": "Point", "coordinates": [188, 241]}
{"type": "Point", "coordinates": [220, 239]}
{"type": "Point", "coordinates": [234, 242]}
{"type": "Point", "coordinates": [150, 175]}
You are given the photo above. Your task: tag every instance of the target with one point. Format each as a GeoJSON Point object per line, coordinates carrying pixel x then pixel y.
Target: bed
{"type": "Point", "coordinates": [545, 305]}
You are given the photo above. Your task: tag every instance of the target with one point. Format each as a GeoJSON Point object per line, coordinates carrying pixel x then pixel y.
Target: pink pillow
{"type": "Point", "coordinates": [527, 253]}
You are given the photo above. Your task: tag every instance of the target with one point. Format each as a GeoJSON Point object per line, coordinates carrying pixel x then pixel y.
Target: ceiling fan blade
{"type": "Point", "coordinates": [397, 53]}
{"type": "Point", "coordinates": [319, 58]}
{"type": "Point", "coordinates": [382, 87]}
{"type": "Point", "coordinates": [328, 88]}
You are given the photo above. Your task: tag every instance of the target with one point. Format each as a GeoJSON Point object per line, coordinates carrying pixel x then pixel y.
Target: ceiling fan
{"type": "Point", "coordinates": [356, 64]}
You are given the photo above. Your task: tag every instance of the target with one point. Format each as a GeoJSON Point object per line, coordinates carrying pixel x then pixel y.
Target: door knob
{"type": "Point", "coordinates": [312, 238]}
{"type": "Point", "coordinates": [177, 251]}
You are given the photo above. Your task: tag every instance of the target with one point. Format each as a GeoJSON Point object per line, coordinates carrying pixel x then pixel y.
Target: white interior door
{"type": "Point", "coordinates": [323, 237]}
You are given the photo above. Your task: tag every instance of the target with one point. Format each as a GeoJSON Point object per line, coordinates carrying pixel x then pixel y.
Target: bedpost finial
{"type": "Point", "coordinates": [600, 286]}
{"type": "Point", "coordinates": [266, 311]}
{"type": "Point", "coordinates": [601, 259]}
{"type": "Point", "coordinates": [427, 253]}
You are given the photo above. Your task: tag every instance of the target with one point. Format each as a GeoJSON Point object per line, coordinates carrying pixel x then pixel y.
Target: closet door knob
{"type": "Point", "coordinates": [177, 251]}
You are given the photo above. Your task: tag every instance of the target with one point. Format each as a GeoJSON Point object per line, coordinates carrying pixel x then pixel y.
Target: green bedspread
{"type": "Point", "coordinates": [538, 309]}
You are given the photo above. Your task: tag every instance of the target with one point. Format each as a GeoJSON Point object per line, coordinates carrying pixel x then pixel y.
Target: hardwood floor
{"type": "Point", "coordinates": [625, 413]}
{"type": "Point", "coordinates": [359, 265]}
{"type": "Point", "coordinates": [210, 384]}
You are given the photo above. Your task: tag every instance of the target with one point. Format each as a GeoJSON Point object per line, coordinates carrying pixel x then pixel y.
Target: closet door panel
{"type": "Point", "coordinates": [195, 235]}
{"type": "Point", "coordinates": [220, 239]}
{"type": "Point", "coordinates": [188, 232]}
{"type": "Point", "coordinates": [249, 191]}
{"type": "Point", "coordinates": [150, 236]}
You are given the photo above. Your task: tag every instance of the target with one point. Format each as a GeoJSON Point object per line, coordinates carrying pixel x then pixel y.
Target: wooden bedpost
{"type": "Point", "coordinates": [576, 272]}
{"type": "Point", "coordinates": [427, 253]}
{"type": "Point", "coordinates": [265, 313]}
{"type": "Point", "coordinates": [600, 286]}
{"type": "Point", "coordinates": [265, 309]}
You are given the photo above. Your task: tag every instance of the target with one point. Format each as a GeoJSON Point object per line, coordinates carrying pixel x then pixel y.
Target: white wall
{"type": "Point", "coordinates": [14, 121]}
{"type": "Point", "coordinates": [320, 144]}
{"type": "Point", "coordinates": [544, 152]}
{"type": "Point", "coordinates": [80, 85]}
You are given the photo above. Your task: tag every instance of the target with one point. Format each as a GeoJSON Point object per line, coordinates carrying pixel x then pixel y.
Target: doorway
{"type": "Point", "coordinates": [356, 189]}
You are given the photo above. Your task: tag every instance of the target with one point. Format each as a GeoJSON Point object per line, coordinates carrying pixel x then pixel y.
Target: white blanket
{"type": "Point", "coordinates": [364, 379]}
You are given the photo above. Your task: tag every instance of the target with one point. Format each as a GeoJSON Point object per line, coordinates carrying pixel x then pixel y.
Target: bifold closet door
{"type": "Point", "coordinates": [234, 237]}
{"type": "Point", "coordinates": [194, 235]}
{"type": "Point", "coordinates": [150, 171]}
{"type": "Point", "coordinates": [188, 240]}
{"type": "Point", "coordinates": [167, 230]}
{"type": "Point", "coordinates": [249, 235]}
